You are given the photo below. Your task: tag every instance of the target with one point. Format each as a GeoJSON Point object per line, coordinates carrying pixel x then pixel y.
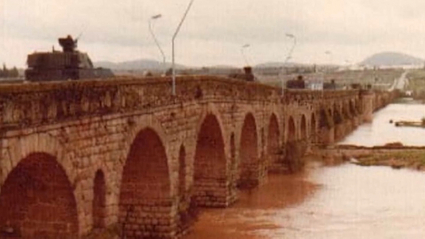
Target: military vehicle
{"type": "Point", "coordinates": [299, 83]}
{"type": "Point", "coordinates": [246, 76]}
{"type": "Point", "coordinates": [68, 64]}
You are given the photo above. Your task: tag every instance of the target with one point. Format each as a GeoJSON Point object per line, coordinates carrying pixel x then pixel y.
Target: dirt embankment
{"type": "Point", "coordinates": [394, 155]}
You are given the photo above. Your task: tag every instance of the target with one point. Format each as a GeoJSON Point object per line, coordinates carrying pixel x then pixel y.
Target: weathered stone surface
{"type": "Point", "coordinates": [126, 151]}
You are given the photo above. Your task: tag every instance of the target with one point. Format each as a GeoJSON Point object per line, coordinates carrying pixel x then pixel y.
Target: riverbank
{"type": "Point", "coordinates": [393, 155]}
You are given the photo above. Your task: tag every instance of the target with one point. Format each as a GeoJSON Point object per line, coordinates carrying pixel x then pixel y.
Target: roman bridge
{"type": "Point", "coordinates": [82, 156]}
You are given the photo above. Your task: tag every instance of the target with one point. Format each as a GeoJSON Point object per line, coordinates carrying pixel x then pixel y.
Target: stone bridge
{"type": "Point", "coordinates": [81, 156]}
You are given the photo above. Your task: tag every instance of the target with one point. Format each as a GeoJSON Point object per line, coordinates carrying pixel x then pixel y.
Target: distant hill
{"type": "Point", "coordinates": [142, 64]}
{"type": "Point", "coordinates": [391, 59]}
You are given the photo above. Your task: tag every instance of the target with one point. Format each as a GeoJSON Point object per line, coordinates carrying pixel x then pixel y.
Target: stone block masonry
{"type": "Point", "coordinates": [81, 156]}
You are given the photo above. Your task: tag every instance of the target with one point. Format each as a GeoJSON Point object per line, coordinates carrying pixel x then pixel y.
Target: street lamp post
{"type": "Point", "coordinates": [155, 39]}
{"type": "Point", "coordinates": [289, 35]}
{"type": "Point", "coordinates": [172, 46]}
{"type": "Point", "coordinates": [243, 53]}
{"type": "Point", "coordinates": [329, 54]}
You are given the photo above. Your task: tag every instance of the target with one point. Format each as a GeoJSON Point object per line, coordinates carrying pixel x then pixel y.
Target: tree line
{"type": "Point", "coordinates": [9, 73]}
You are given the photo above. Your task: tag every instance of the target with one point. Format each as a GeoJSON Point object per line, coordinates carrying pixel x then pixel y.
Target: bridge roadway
{"type": "Point", "coordinates": [83, 156]}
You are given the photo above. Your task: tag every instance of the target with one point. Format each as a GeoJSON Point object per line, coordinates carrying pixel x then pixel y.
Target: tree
{"type": "Point", "coordinates": [5, 72]}
{"type": "Point", "coordinates": [14, 72]}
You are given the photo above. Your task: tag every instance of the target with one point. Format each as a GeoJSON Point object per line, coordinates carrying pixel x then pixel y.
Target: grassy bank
{"type": "Point", "coordinates": [417, 83]}
{"type": "Point", "coordinates": [408, 158]}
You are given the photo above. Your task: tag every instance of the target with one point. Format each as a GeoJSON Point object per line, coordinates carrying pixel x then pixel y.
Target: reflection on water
{"type": "Point", "coordinates": [380, 131]}
{"type": "Point", "coordinates": [345, 201]}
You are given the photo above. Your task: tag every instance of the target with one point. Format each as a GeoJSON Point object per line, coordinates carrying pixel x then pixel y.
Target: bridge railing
{"type": "Point", "coordinates": [32, 104]}
{"type": "Point", "coordinates": [48, 102]}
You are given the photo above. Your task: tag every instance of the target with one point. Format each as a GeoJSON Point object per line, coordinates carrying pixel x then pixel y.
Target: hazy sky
{"type": "Point", "coordinates": [215, 30]}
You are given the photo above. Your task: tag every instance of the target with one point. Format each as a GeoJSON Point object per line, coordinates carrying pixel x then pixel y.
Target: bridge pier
{"type": "Point", "coordinates": [122, 152]}
{"type": "Point", "coordinates": [343, 129]}
{"type": "Point", "coordinates": [212, 186]}
{"type": "Point", "coordinates": [253, 174]}
{"type": "Point", "coordinates": [354, 122]}
{"type": "Point", "coordinates": [327, 136]}
{"type": "Point", "coordinates": [295, 152]}
{"type": "Point", "coordinates": [368, 105]}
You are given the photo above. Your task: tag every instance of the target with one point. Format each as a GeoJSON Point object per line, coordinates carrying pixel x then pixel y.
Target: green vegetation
{"type": "Point", "coordinates": [417, 83]}
{"type": "Point", "coordinates": [8, 73]}
{"type": "Point", "coordinates": [399, 159]}
{"type": "Point", "coordinates": [416, 74]}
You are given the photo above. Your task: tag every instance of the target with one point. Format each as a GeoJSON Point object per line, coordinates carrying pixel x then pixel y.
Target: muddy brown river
{"type": "Point", "coordinates": [345, 201]}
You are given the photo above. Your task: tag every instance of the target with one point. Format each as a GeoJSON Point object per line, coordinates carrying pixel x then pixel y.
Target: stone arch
{"type": "Point", "coordinates": [303, 128]}
{"type": "Point", "coordinates": [99, 200]}
{"type": "Point", "coordinates": [273, 139]}
{"type": "Point", "coordinates": [140, 123]}
{"type": "Point", "coordinates": [145, 184]}
{"type": "Point", "coordinates": [191, 143]}
{"type": "Point", "coordinates": [292, 131]}
{"type": "Point", "coordinates": [22, 147]}
{"type": "Point", "coordinates": [211, 110]}
{"type": "Point", "coordinates": [137, 125]}
{"type": "Point", "coordinates": [248, 152]}
{"type": "Point", "coordinates": [275, 115]}
{"type": "Point", "coordinates": [210, 164]}
{"type": "Point", "coordinates": [37, 200]}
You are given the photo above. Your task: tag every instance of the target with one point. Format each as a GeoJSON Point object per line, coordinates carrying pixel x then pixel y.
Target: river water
{"type": "Point", "coordinates": [381, 131]}
{"type": "Point", "coordinates": [344, 201]}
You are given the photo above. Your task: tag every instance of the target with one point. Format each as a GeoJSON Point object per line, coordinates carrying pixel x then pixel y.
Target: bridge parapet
{"type": "Point", "coordinates": [35, 104]}
{"type": "Point", "coordinates": [49, 102]}
{"type": "Point", "coordinates": [310, 95]}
